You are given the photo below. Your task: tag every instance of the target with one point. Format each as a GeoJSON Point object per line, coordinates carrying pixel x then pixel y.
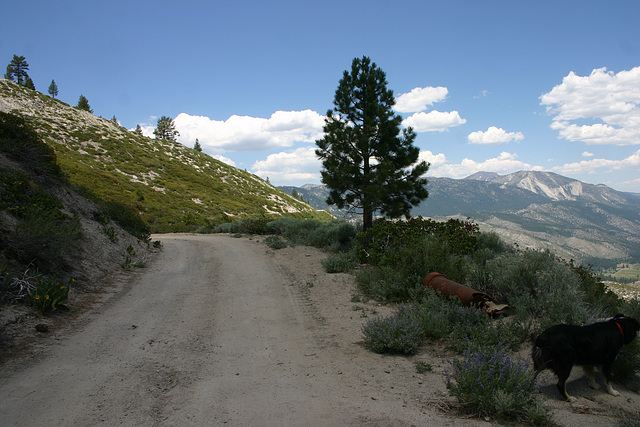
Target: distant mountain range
{"type": "Point", "coordinates": [576, 220]}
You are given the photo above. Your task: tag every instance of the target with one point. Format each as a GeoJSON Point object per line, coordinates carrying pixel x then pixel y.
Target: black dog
{"type": "Point", "coordinates": [562, 346]}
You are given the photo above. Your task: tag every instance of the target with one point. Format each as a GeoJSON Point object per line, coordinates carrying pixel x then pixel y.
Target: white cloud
{"type": "Point", "coordinates": [612, 100]}
{"type": "Point", "coordinates": [147, 130]}
{"type": "Point", "coordinates": [434, 121]}
{"type": "Point", "coordinates": [434, 160]}
{"type": "Point", "coordinates": [224, 159]}
{"type": "Point", "coordinates": [244, 133]}
{"type": "Point", "coordinates": [632, 185]}
{"type": "Point", "coordinates": [295, 167]}
{"type": "Point", "coordinates": [494, 135]}
{"type": "Point", "coordinates": [631, 163]}
{"type": "Point", "coordinates": [482, 94]}
{"type": "Point", "coordinates": [505, 163]}
{"type": "Point", "coordinates": [587, 154]}
{"type": "Point", "coordinates": [419, 98]}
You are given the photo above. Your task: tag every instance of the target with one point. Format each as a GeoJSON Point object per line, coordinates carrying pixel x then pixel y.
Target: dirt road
{"type": "Point", "coordinates": [225, 331]}
{"type": "Point", "coordinates": [219, 330]}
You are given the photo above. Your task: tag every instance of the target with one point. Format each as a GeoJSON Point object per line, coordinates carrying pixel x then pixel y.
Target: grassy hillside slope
{"type": "Point", "coordinates": [173, 187]}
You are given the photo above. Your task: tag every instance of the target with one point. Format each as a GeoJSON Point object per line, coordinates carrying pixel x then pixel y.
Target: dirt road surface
{"type": "Point", "coordinates": [225, 331]}
{"type": "Point", "coordinates": [216, 331]}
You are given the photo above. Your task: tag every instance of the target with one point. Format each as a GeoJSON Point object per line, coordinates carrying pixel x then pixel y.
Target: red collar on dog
{"type": "Point", "coordinates": [620, 327]}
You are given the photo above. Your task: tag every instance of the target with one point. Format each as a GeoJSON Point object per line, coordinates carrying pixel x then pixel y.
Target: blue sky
{"type": "Point", "coordinates": [488, 85]}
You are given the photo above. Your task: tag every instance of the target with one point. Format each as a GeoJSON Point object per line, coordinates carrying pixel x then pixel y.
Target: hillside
{"type": "Point", "coordinates": [173, 187]}
{"type": "Point", "coordinates": [576, 220]}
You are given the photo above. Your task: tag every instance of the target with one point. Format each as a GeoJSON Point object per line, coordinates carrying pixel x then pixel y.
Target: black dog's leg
{"type": "Point", "coordinates": [606, 373]}
{"type": "Point", "coordinates": [589, 370]}
{"type": "Point", "coordinates": [563, 374]}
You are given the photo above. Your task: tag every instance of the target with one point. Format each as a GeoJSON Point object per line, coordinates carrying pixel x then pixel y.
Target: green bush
{"type": "Point", "coordinates": [21, 143]}
{"type": "Point", "coordinates": [128, 219]}
{"type": "Point", "coordinates": [385, 284]}
{"type": "Point", "coordinates": [46, 238]}
{"type": "Point", "coordinates": [492, 384]}
{"type": "Point", "coordinates": [414, 261]}
{"type": "Point", "coordinates": [49, 295]}
{"type": "Point", "coordinates": [383, 243]}
{"type": "Point", "coordinates": [399, 333]}
{"type": "Point", "coordinates": [339, 263]}
{"type": "Point", "coordinates": [275, 242]}
{"type": "Point", "coordinates": [542, 290]}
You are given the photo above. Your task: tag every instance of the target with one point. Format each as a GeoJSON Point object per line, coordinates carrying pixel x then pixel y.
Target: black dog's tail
{"type": "Point", "coordinates": [540, 362]}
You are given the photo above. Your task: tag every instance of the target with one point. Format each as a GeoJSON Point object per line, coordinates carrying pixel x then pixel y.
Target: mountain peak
{"type": "Point", "coordinates": [484, 176]}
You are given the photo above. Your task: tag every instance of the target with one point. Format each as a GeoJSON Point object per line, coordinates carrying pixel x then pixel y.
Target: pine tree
{"type": "Point", "coordinates": [166, 129]}
{"type": "Point", "coordinates": [369, 163]}
{"type": "Point", "coordinates": [18, 68]}
{"type": "Point", "coordinates": [83, 104]}
{"type": "Point", "coordinates": [138, 129]}
{"type": "Point", "coordinates": [28, 83]}
{"type": "Point", "coordinates": [53, 89]}
{"type": "Point", "coordinates": [197, 146]}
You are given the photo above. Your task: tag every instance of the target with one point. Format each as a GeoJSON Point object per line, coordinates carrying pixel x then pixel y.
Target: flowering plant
{"type": "Point", "coordinates": [495, 384]}
{"type": "Point", "coordinates": [49, 295]}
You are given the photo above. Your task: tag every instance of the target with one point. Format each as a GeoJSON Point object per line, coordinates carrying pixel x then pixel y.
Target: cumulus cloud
{"type": "Point", "coordinates": [587, 154]}
{"type": "Point", "coordinates": [612, 100]}
{"type": "Point", "coordinates": [419, 98]}
{"type": "Point", "coordinates": [631, 163]}
{"type": "Point", "coordinates": [505, 163]}
{"type": "Point", "coordinates": [434, 160]}
{"type": "Point", "coordinates": [494, 135]}
{"type": "Point", "coordinates": [434, 121]}
{"type": "Point", "coordinates": [295, 167]}
{"type": "Point", "coordinates": [244, 133]}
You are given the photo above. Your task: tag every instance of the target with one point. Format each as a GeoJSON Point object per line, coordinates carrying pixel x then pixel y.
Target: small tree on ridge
{"type": "Point", "coordinates": [166, 129]}
{"type": "Point", "coordinates": [17, 69]}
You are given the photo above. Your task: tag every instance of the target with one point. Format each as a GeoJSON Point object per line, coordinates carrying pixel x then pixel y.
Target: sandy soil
{"type": "Point", "coordinates": [225, 331]}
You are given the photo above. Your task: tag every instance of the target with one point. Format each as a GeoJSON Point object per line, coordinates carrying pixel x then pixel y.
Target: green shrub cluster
{"type": "Point", "coordinates": [396, 334]}
{"type": "Point", "coordinates": [493, 384]}
{"type": "Point", "coordinates": [19, 142]}
{"type": "Point", "coordinates": [435, 318]}
{"type": "Point", "coordinates": [385, 242]}
{"type": "Point", "coordinates": [540, 289]}
{"type": "Point", "coordinates": [330, 235]}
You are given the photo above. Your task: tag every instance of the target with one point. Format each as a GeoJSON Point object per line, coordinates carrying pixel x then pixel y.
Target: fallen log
{"type": "Point", "coordinates": [466, 295]}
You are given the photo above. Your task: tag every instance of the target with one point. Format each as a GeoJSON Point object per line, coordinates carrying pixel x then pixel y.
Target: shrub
{"type": "Point", "coordinates": [492, 384]}
{"type": "Point", "coordinates": [595, 291]}
{"type": "Point", "coordinates": [399, 333]}
{"type": "Point", "coordinates": [382, 243]}
{"type": "Point", "coordinates": [462, 328]}
{"type": "Point", "coordinates": [46, 238]}
{"type": "Point", "coordinates": [334, 236]}
{"type": "Point", "coordinates": [414, 261]}
{"type": "Point", "coordinates": [386, 284]}
{"type": "Point", "coordinates": [49, 295]}
{"type": "Point", "coordinates": [339, 263]}
{"type": "Point", "coordinates": [542, 290]}
{"type": "Point", "coordinates": [128, 219]}
{"type": "Point", "coordinates": [21, 143]}
{"type": "Point", "coordinates": [275, 242]}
